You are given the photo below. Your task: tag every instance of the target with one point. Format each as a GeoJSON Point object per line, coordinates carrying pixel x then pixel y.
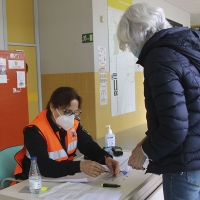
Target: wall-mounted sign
{"type": "Point", "coordinates": [87, 37]}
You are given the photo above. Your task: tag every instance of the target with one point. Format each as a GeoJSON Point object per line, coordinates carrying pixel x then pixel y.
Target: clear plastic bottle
{"type": "Point", "coordinates": [35, 180]}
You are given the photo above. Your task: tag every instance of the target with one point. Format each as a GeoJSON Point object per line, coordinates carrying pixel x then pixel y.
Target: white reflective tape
{"type": "Point", "coordinates": [57, 154]}
{"type": "Point", "coordinates": [72, 146]}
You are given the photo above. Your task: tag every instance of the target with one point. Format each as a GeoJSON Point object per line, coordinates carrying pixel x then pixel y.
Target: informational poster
{"type": "Point", "coordinates": [21, 81]}
{"type": "Point", "coordinates": [16, 64]}
{"type": "Point", "coordinates": [122, 69]}
{"type": "Point", "coordinates": [102, 56]}
{"type": "Point", "coordinates": [103, 75]}
{"type": "Point", "coordinates": [103, 86]}
{"type": "Point", "coordinates": [3, 71]}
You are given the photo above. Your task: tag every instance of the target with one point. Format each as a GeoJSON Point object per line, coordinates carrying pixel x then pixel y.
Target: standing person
{"type": "Point", "coordinates": [171, 61]}
{"type": "Point", "coordinates": [53, 137]}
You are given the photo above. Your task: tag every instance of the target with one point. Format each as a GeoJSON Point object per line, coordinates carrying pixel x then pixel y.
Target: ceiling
{"type": "Point", "coordinates": [191, 6]}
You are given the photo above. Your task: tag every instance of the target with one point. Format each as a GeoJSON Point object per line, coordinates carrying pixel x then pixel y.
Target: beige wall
{"type": "Point", "coordinates": [66, 61]}
{"type": "Point", "coordinates": [61, 25]}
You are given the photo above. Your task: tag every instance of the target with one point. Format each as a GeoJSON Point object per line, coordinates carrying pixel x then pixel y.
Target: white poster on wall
{"type": "Point", "coordinates": [102, 75]}
{"type": "Point", "coordinates": [3, 71]}
{"type": "Point", "coordinates": [21, 82]}
{"type": "Point", "coordinates": [122, 69]}
{"type": "Point", "coordinates": [16, 64]}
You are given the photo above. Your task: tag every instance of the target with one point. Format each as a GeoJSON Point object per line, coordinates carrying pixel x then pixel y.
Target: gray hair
{"type": "Point", "coordinates": [139, 23]}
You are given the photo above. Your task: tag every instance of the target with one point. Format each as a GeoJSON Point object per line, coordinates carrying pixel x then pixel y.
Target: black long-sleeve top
{"type": "Point", "coordinates": [37, 146]}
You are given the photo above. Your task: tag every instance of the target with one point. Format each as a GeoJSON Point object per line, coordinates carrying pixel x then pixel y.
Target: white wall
{"type": "Point", "coordinates": [171, 12]}
{"type": "Point", "coordinates": [61, 25]}
{"type": "Point", "coordinates": [100, 30]}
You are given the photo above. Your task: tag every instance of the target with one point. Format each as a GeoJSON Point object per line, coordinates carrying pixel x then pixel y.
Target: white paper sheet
{"type": "Point", "coordinates": [80, 191]}
{"type": "Point", "coordinates": [123, 164]}
{"type": "Point", "coordinates": [76, 178]}
{"type": "Point", "coordinates": [21, 82]}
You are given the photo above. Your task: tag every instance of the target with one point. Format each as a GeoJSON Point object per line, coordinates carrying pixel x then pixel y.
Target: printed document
{"type": "Point", "coordinates": [80, 191]}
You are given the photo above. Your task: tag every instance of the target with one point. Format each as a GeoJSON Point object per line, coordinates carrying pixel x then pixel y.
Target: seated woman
{"type": "Point", "coordinates": [53, 137]}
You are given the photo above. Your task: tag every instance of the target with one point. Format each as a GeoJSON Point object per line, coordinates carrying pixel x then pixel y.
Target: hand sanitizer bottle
{"type": "Point", "coordinates": [109, 138]}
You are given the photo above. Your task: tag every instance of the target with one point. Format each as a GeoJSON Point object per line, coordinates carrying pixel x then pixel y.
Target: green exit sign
{"type": "Point", "coordinates": [87, 37]}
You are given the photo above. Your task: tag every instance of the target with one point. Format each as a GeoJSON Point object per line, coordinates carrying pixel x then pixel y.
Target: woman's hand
{"type": "Point", "coordinates": [91, 168]}
{"type": "Point", "coordinates": [137, 159]}
{"type": "Point", "coordinates": [113, 165]}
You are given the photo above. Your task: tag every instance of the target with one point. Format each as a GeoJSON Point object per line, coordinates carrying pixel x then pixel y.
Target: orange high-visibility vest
{"type": "Point", "coordinates": [54, 147]}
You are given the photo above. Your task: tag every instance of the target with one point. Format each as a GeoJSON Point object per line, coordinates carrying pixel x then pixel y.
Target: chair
{"type": "Point", "coordinates": [7, 166]}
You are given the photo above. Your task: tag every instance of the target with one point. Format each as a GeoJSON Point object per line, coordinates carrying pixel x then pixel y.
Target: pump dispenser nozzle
{"type": "Point", "coordinates": [109, 129]}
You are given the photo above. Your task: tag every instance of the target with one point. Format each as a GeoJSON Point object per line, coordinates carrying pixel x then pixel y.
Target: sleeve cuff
{"type": "Point", "coordinates": [145, 154]}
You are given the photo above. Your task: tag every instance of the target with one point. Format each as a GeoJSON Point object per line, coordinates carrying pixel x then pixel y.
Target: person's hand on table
{"type": "Point", "coordinates": [113, 165]}
{"type": "Point", "coordinates": [91, 168]}
{"type": "Point", "coordinates": [137, 158]}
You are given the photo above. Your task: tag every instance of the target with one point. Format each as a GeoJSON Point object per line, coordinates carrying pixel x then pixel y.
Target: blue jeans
{"type": "Point", "coordinates": [182, 186]}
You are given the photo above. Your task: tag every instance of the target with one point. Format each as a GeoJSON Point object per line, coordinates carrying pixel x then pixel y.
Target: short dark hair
{"type": "Point", "coordinates": [62, 96]}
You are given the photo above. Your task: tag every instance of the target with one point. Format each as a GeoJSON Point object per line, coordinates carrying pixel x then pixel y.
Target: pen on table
{"type": "Point", "coordinates": [110, 185]}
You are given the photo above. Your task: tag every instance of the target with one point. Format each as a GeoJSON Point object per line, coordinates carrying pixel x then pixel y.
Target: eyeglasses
{"type": "Point", "coordinates": [68, 112]}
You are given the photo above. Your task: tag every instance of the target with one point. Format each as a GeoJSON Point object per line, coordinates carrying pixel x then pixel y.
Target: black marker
{"type": "Point", "coordinates": [110, 185]}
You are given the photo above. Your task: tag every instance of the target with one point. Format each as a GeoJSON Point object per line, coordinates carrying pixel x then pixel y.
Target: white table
{"type": "Point", "coordinates": [135, 185]}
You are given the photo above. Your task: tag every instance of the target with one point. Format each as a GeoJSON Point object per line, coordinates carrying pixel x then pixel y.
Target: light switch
{"type": "Point", "coordinates": [101, 18]}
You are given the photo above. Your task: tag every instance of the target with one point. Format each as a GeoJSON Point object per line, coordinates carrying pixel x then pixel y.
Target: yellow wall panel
{"type": "Point", "coordinates": [32, 96]}
{"type": "Point", "coordinates": [120, 122]}
{"type": "Point", "coordinates": [82, 82]}
{"type": "Point", "coordinates": [20, 21]}
{"type": "Point", "coordinates": [120, 4]}
{"type": "Point", "coordinates": [33, 110]}
{"type": "Point", "coordinates": [95, 117]}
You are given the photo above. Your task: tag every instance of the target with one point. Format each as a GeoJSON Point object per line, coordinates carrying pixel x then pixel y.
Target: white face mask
{"type": "Point", "coordinates": [66, 122]}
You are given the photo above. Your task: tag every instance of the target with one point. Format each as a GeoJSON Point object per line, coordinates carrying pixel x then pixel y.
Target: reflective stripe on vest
{"type": "Point", "coordinates": [72, 146]}
{"type": "Point", "coordinates": [53, 155]}
{"type": "Point", "coordinates": [57, 154]}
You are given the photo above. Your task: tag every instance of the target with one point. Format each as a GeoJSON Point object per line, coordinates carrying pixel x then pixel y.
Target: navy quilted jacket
{"type": "Point", "coordinates": [171, 61]}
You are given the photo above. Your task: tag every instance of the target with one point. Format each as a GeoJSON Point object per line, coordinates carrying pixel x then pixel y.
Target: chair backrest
{"type": "Point", "coordinates": [7, 162]}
